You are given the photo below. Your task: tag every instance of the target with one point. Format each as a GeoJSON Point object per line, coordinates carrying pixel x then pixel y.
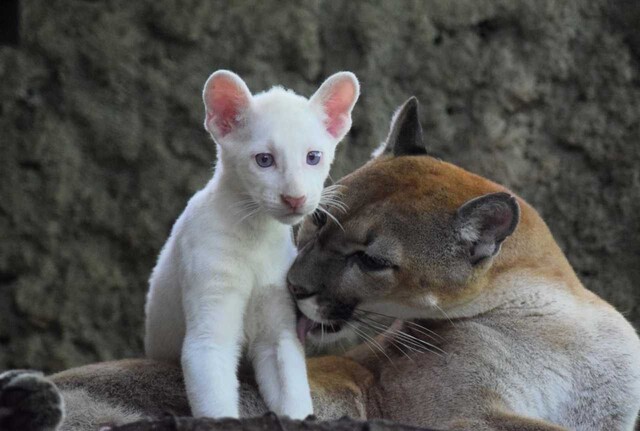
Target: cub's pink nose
{"type": "Point", "coordinates": [293, 202]}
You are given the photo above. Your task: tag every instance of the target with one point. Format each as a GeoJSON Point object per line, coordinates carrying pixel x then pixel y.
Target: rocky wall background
{"type": "Point", "coordinates": [101, 139]}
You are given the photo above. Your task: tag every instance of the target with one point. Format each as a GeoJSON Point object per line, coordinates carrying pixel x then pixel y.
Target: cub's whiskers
{"type": "Point", "coordinates": [244, 210]}
{"type": "Point", "coordinates": [331, 197]}
{"type": "Point", "coordinates": [331, 216]}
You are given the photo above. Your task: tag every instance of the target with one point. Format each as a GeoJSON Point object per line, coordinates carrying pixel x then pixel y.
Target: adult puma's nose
{"type": "Point", "coordinates": [299, 292]}
{"type": "Point", "coordinates": [293, 202]}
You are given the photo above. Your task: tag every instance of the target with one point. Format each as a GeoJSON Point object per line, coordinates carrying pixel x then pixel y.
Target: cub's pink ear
{"type": "Point", "coordinates": [226, 99]}
{"type": "Point", "coordinates": [336, 98]}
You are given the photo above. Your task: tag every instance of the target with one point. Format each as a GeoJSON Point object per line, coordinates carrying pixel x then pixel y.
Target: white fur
{"type": "Point", "coordinates": [219, 284]}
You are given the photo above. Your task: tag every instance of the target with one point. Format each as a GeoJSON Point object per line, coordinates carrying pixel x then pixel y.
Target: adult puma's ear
{"type": "Point", "coordinates": [226, 100]}
{"type": "Point", "coordinates": [336, 98]}
{"type": "Point", "coordinates": [484, 222]}
{"type": "Point", "coordinates": [405, 135]}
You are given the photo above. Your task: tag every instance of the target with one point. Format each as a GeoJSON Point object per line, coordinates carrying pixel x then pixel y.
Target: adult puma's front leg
{"type": "Point", "coordinates": [339, 387]}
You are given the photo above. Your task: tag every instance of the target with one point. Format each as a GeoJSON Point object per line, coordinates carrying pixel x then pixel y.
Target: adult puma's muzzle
{"type": "Point", "coordinates": [323, 316]}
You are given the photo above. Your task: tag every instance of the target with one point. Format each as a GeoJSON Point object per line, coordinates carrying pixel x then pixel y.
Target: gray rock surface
{"type": "Point", "coordinates": [102, 141]}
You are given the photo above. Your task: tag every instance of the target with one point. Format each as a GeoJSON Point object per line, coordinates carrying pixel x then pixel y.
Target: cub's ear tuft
{"type": "Point", "coordinates": [405, 135]}
{"type": "Point", "coordinates": [484, 222]}
{"type": "Point", "coordinates": [336, 98]}
{"type": "Point", "coordinates": [227, 100]}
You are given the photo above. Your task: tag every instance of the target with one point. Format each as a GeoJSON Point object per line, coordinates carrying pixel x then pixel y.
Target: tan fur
{"type": "Point", "coordinates": [521, 322]}
{"type": "Point", "coordinates": [335, 378]}
{"type": "Point", "coordinates": [407, 184]}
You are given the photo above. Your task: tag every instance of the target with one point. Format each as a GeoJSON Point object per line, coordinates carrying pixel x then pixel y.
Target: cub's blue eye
{"type": "Point", "coordinates": [264, 160]}
{"type": "Point", "coordinates": [313, 157]}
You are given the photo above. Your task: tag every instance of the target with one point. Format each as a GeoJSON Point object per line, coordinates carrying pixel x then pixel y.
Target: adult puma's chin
{"type": "Point", "coordinates": [319, 332]}
{"type": "Point", "coordinates": [328, 337]}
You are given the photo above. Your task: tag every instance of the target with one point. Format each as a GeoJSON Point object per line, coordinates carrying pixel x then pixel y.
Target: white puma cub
{"type": "Point", "coordinates": [219, 286]}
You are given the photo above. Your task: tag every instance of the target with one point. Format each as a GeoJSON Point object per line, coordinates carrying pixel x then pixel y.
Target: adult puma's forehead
{"type": "Point", "coordinates": [412, 184]}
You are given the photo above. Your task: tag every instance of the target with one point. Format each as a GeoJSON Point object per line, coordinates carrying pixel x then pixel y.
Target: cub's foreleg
{"type": "Point", "coordinates": [211, 351]}
{"type": "Point", "coordinates": [296, 396]}
{"type": "Point", "coordinates": [277, 356]}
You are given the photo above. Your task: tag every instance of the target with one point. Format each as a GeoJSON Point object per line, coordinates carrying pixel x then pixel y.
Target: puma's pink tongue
{"type": "Point", "coordinates": [303, 326]}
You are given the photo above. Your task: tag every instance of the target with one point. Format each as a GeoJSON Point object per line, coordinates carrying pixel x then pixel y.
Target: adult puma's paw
{"type": "Point", "coordinates": [29, 402]}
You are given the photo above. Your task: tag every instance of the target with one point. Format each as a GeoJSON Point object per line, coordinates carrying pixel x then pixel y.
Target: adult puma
{"type": "Point", "coordinates": [520, 344]}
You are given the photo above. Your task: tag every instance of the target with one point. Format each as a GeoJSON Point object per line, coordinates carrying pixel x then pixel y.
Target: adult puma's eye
{"type": "Point", "coordinates": [319, 218]}
{"type": "Point", "coordinates": [313, 157]}
{"type": "Point", "coordinates": [371, 263]}
{"type": "Point", "coordinates": [264, 160]}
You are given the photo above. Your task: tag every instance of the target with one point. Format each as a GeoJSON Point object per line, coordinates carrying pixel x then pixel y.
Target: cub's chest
{"type": "Point", "coordinates": [270, 254]}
